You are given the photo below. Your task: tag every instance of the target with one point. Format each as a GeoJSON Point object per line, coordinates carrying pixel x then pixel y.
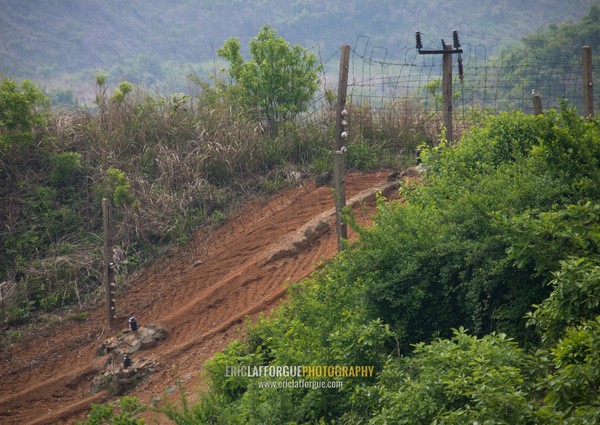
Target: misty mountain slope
{"type": "Point", "coordinates": [42, 40]}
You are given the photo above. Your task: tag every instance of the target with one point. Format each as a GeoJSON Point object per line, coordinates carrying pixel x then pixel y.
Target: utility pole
{"type": "Point", "coordinates": [447, 91]}
{"type": "Point", "coordinates": [341, 135]}
{"type": "Point", "coordinates": [109, 273]}
{"type": "Point", "coordinates": [447, 52]}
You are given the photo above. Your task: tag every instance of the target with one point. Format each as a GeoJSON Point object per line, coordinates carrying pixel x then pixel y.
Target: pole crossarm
{"type": "Point", "coordinates": [439, 52]}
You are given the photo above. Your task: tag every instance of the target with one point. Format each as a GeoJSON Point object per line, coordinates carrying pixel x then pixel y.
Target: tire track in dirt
{"type": "Point", "coordinates": [201, 293]}
{"type": "Point", "coordinates": [64, 388]}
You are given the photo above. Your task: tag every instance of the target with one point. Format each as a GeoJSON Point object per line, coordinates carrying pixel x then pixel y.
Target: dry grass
{"type": "Point", "coordinates": [184, 160]}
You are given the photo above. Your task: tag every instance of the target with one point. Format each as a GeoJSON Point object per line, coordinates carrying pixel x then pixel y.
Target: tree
{"type": "Point", "coordinates": [278, 82]}
{"type": "Point", "coordinates": [22, 108]}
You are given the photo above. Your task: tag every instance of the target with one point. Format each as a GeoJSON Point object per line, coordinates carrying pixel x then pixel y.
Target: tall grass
{"type": "Point", "coordinates": [169, 165]}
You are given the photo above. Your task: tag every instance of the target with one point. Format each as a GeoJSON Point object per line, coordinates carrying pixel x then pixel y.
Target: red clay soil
{"type": "Point", "coordinates": [200, 293]}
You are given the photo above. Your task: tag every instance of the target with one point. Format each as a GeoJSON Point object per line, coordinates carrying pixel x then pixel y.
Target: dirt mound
{"type": "Point", "coordinates": [200, 293]}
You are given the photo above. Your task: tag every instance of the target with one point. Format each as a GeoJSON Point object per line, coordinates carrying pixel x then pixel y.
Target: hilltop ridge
{"type": "Point", "coordinates": [64, 40]}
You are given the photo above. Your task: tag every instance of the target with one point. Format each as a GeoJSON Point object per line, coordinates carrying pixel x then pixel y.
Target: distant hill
{"type": "Point", "coordinates": [152, 41]}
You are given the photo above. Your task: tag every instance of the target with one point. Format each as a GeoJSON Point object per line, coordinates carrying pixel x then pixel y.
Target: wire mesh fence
{"type": "Point", "coordinates": [382, 79]}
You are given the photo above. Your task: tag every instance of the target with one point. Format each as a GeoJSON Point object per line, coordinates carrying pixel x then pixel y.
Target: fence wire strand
{"type": "Point", "coordinates": [381, 78]}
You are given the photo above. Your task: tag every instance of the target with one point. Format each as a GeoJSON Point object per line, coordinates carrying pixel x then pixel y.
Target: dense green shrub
{"type": "Point", "coordinates": [462, 380]}
{"type": "Point", "coordinates": [23, 107]}
{"type": "Point", "coordinates": [117, 187]}
{"type": "Point", "coordinates": [573, 389]}
{"type": "Point", "coordinates": [66, 169]}
{"type": "Point", "coordinates": [464, 250]}
{"type": "Point", "coordinates": [306, 332]}
{"type": "Point", "coordinates": [575, 298]}
{"type": "Point", "coordinates": [362, 156]}
{"type": "Point", "coordinates": [498, 229]}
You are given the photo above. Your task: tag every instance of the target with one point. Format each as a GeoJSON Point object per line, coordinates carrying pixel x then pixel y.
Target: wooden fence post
{"type": "Point", "coordinates": [341, 98]}
{"type": "Point", "coordinates": [338, 156]}
{"type": "Point", "coordinates": [588, 83]}
{"type": "Point", "coordinates": [537, 104]}
{"type": "Point", "coordinates": [340, 197]}
{"type": "Point", "coordinates": [109, 273]}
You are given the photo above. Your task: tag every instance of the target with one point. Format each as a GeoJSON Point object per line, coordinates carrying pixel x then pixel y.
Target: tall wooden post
{"type": "Point", "coordinates": [341, 97]}
{"type": "Point", "coordinates": [340, 197]}
{"type": "Point", "coordinates": [447, 91]}
{"type": "Point", "coordinates": [538, 109]}
{"type": "Point", "coordinates": [109, 273]}
{"type": "Point", "coordinates": [341, 136]}
{"type": "Point", "coordinates": [588, 84]}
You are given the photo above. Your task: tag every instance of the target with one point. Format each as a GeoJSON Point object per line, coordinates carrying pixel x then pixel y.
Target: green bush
{"type": "Point", "coordinates": [117, 187]}
{"type": "Point", "coordinates": [464, 250]}
{"type": "Point", "coordinates": [213, 409]}
{"type": "Point", "coordinates": [463, 380]}
{"type": "Point", "coordinates": [123, 90]}
{"type": "Point", "coordinates": [497, 227]}
{"type": "Point", "coordinates": [362, 156]}
{"type": "Point", "coordinates": [66, 168]}
{"type": "Point", "coordinates": [49, 221]}
{"type": "Point", "coordinates": [307, 332]}
{"type": "Point", "coordinates": [575, 298]}
{"type": "Point", "coordinates": [22, 108]}
{"type": "Point", "coordinates": [123, 412]}
{"type": "Point", "coordinates": [573, 390]}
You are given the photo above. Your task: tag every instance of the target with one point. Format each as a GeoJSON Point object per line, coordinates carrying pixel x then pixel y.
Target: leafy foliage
{"type": "Point", "coordinates": [118, 188]}
{"type": "Point", "coordinates": [278, 82]}
{"type": "Point", "coordinates": [499, 224]}
{"type": "Point", "coordinates": [66, 168]}
{"type": "Point", "coordinates": [456, 381]}
{"type": "Point", "coordinates": [21, 110]}
{"type": "Point", "coordinates": [123, 90]}
{"type": "Point", "coordinates": [574, 389]}
{"type": "Point", "coordinates": [575, 298]}
{"type": "Point", "coordinates": [306, 332]}
{"type": "Point", "coordinates": [212, 409]}
{"type": "Point", "coordinates": [123, 412]}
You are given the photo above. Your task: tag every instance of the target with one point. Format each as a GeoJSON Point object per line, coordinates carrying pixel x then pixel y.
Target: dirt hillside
{"type": "Point", "coordinates": [200, 293]}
